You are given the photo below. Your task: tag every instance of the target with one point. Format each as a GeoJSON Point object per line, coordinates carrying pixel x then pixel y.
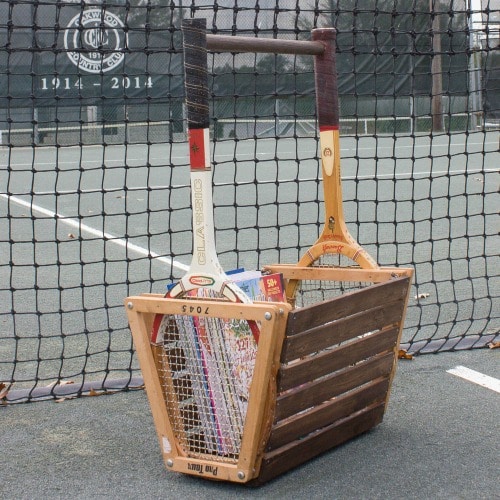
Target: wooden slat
{"type": "Point", "coordinates": [350, 274]}
{"type": "Point", "coordinates": [332, 333]}
{"type": "Point", "coordinates": [222, 43]}
{"type": "Point", "coordinates": [315, 393]}
{"type": "Point", "coordinates": [325, 414]}
{"type": "Point", "coordinates": [216, 308]}
{"type": "Point", "coordinates": [298, 452]}
{"type": "Point", "coordinates": [325, 362]}
{"type": "Point", "coordinates": [346, 305]}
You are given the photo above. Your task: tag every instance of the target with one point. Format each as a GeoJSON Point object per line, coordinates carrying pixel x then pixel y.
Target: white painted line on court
{"type": "Point", "coordinates": [476, 377]}
{"type": "Point", "coordinates": [94, 232]}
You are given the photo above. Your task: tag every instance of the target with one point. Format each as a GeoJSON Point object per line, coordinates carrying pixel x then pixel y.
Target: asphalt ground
{"type": "Point", "coordinates": [439, 440]}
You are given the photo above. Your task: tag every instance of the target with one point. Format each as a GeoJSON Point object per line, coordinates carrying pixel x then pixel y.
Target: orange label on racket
{"type": "Point", "coordinates": [197, 153]}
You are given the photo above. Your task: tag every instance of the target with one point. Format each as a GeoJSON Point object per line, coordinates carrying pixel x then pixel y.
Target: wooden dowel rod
{"type": "Point", "coordinates": [222, 43]}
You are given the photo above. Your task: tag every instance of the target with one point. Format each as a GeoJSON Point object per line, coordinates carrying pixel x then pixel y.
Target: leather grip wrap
{"type": "Point", "coordinates": [325, 72]}
{"type": "Point", "coordinates": [195, 72]}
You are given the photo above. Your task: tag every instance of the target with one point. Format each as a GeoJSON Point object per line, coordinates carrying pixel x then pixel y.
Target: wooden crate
{"type": "Point", "coordinates": [337, 363]}
{"type": "Point", "coordinates": [322, 373]}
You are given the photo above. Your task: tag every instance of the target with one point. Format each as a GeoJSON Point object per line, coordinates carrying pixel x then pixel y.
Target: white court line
{"type": "Point", "coordinates": [476, 377]}
{"type": "Point", "coordinates": [94, 232]}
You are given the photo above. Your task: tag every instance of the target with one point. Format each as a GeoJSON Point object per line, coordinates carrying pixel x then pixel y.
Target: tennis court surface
{"type": "Point", "coordinates": [439, 439]}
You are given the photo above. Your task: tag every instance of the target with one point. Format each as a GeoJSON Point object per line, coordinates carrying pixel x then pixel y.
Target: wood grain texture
{"type": "Point", "coordinates": [315, 393]}
{"type": "Point", "coordinates": [325, 362]}
{"type": "Point", "coordinates": [346, 305]}
{"type": "Point", "coordinates": [331, 334]}
{"type": "Point", "coordinates": [328, 412]}
{"type": "Point", "coordinates": [293, 454]}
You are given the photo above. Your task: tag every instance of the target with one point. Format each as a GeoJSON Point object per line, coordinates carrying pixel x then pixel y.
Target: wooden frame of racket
{"type": "Point", "coordinates": [272, 317]}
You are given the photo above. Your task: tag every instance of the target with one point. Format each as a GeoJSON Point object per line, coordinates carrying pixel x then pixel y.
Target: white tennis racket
{"type": "Point", "coordinates": [204, 370]}
{"type": "Point", "coordinates": [205, 271]}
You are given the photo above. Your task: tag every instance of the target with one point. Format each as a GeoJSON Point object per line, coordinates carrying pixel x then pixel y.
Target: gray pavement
{"type": "Point", "coordinates": [439, 439]}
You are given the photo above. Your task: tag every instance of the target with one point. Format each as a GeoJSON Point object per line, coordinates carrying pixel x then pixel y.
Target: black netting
{"type": "Point", "coordinates": [94, 175]}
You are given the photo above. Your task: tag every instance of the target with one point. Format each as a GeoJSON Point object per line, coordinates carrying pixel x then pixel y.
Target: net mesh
{"type": "Point", "coordinates": [94, 175]}
{"type": "Point", "coordinates": [311, 291]}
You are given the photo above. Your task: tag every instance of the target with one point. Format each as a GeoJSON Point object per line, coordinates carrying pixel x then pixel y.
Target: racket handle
{"type": "Point", "coordinates": [196, 75]}
{"type": "Point", "coordinates": [325, 75]}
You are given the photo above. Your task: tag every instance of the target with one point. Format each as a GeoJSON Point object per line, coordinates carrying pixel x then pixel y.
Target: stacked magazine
{"type": "Point", "coordinates": [220, 357]}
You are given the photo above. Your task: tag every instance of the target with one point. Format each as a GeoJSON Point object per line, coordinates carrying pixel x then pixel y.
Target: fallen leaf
{"type": "Point", "coordinates": [107, 392]}
{"type": "Point", "coordinates": [65, 398]}
{"type": "Point", "coordinates": [60, 382]}
{"type": "Point", "coordinates": [66, 382]}
{"type": "Point", "coordinates": [71, 236]}
{"type": "Point", "coordinates": [4, 390]}
{"type": "Point", "coordinates": [422, 296]}
{"type": "Point", "coordinates": [494, 345]}
{"type": "Point", "coordinates": [402, 354]}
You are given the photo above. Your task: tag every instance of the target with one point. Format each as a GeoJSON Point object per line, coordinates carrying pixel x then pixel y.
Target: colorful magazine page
{"type": "Point", "coordinates": [222, 354]}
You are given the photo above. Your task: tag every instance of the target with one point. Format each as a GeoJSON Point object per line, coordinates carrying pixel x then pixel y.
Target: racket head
{"type": "Point", "coordinates": [205, 366]}
{"type": "Point", "coordinates": [306, 292]}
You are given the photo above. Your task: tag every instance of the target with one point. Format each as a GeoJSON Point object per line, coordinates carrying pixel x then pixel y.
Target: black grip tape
{"type": "Point", "coordinates": [195, 72]}
{"type": "Point", "coordinates": [325, 76]}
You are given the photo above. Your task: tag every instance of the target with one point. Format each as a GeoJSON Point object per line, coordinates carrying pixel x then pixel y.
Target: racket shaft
{"type": "Point", "coordinates": [335, 237]}
{"type": "Point", "coordinates": [205, 269]}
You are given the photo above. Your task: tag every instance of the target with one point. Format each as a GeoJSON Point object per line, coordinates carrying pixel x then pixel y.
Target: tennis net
{"type": "Point", "coordinates": [94, 183]}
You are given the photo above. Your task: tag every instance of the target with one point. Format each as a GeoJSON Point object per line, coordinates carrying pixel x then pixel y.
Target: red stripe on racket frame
{"type": "Point", "coordinates": [197, 148]}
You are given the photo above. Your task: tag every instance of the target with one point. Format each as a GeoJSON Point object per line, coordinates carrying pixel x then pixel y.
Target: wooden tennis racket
{"type": "Point", "coordinates": [201, 353]}
{"type": "Point", "coordinates": [205, 271]}
{"type": "Point", "coordinates": [335, 246]}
